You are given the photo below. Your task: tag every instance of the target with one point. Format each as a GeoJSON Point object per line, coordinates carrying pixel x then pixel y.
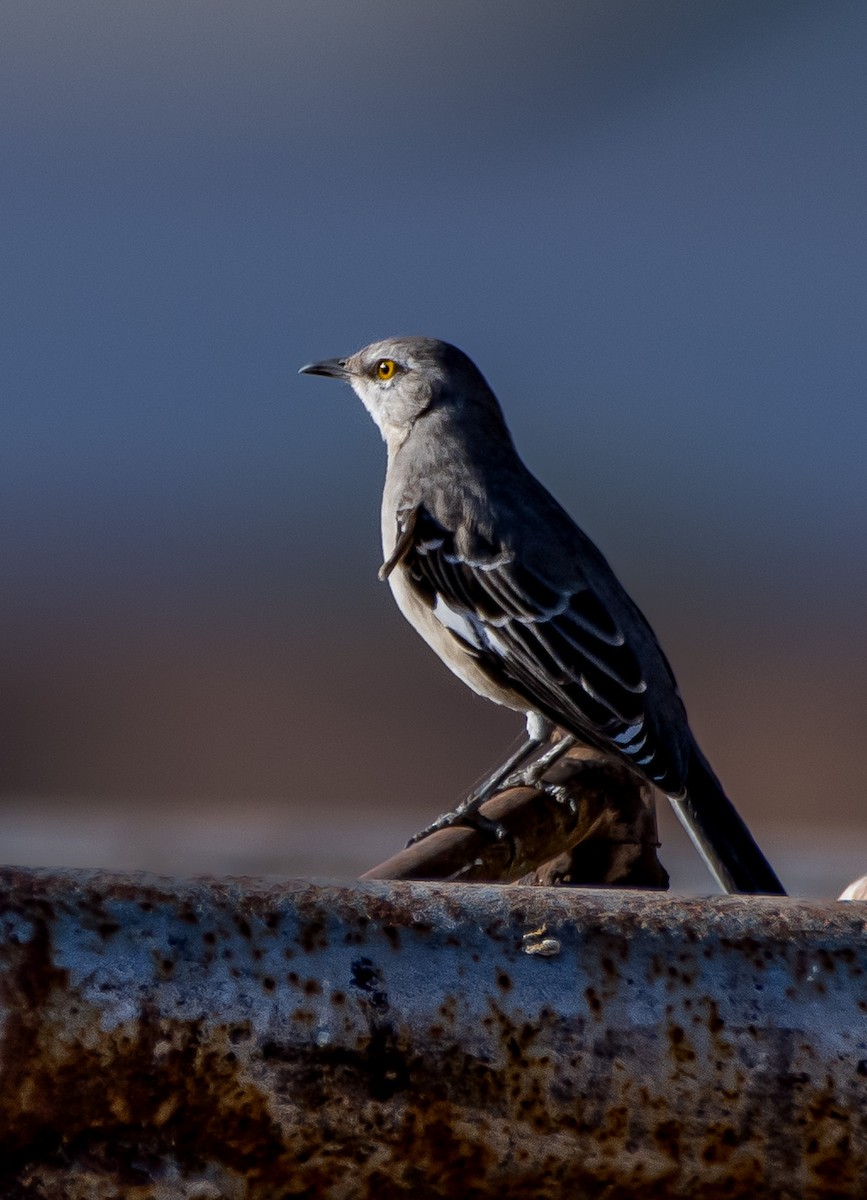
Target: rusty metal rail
{"type": "Point", "coordinates": [250, 1040]}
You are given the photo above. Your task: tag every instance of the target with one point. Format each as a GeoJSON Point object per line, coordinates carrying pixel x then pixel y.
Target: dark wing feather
{"type": "Point", "coordinates": [564, 651]}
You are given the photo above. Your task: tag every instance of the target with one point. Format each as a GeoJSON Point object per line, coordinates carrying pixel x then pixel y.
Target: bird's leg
{"type": "Point", "coordinates": [532, 775]}
{"type": "Point", "coordinates": [467, 812]}
{"type": "Point", "coordinates": [538, 733]}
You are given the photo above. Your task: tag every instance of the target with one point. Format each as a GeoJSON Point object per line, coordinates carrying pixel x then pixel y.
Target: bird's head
{"type": "Point", "coordinates": [399, 379]}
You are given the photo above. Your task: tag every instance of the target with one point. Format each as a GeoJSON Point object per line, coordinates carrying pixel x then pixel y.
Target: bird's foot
{"type": "Point", "coordinates": [465, 814]}
{"type": "Point", "coordinates": [533, 775]}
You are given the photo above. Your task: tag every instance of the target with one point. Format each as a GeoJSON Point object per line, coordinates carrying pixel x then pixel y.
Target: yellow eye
{"type": "Point", "coordinates": [386, 368]}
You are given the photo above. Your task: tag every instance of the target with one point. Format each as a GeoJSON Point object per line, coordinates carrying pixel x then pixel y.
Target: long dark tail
{"type": "Point", "coordinates": [721, 837]}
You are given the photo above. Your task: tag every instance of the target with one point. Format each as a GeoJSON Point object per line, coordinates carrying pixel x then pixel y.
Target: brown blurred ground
{"type": "Point", "coordinates": [312, 747]}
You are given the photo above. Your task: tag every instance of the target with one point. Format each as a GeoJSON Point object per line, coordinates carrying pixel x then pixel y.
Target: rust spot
{"type": "Point", "coordinates": [366, 978]}
{"type": "Point", "coordinates": [593, 1001]}
{"type": "Point", "coordinates": [668, 1137]}
{"type": "Point", "coordinates": [715, 1023]}
{"type": "Point", "coordinates": [681, 1050]}
{"type": "Point", "coordinates": [313, 936]}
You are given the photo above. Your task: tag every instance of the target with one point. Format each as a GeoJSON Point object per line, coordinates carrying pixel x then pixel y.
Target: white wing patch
{"type": "Point", "coordinates": [461, 623]}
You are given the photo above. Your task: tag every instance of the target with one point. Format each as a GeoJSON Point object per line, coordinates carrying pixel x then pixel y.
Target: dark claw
{"type": "Point", "coordinates": [472, 819]}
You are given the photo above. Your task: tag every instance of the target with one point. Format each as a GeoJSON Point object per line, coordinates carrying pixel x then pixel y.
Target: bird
{"type": "Point", "coordinates": [516, 599]}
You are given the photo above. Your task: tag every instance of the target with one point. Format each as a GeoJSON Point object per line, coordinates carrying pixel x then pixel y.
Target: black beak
{"type": "Point", "coordinates": [335, 368]}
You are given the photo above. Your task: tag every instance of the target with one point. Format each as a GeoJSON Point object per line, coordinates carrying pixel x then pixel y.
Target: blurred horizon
{"type": "Point", "coordinates": [646, 224]}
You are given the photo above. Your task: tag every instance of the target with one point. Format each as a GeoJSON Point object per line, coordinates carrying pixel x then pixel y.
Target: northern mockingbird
{"type": "Point", "coordinates": [517, 601]}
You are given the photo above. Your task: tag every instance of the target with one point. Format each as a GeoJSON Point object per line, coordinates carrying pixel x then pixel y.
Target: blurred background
{"type": "Point", "coordinates": [646, 223]}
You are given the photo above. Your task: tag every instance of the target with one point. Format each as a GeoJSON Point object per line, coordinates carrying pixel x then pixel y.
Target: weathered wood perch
{"type": "Point", "coordinates": [601, 830]}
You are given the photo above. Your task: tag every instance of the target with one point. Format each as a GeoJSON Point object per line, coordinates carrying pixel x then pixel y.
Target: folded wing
{"type": "Point", "coordinates": [562, 650]}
